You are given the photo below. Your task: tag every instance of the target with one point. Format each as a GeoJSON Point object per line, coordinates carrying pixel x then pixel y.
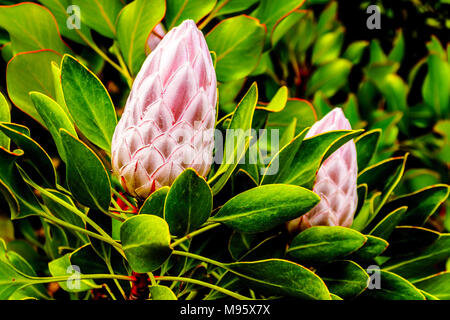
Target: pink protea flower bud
{"type": "Point", "coordinates": [168, 121]}
{"type": "Point", "coordinates": [155, 37]}
{"type": "Point", "coordinates": [335, 182]}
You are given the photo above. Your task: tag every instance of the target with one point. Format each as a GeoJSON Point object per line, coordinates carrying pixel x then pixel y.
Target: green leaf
{"type": "Point", "coordinates": [299, 109]}
{"type": "Point", "coordinates": [271, 13]}
{"type": "Point", "coordinates": [321, 81]}
{"type": "Point", "coordinates": [398, 50]}
{"type": "Point", "coordinates": [366, 146]}
{"type": "Point", "coordinates": [88, 102]}
{"type": "Point", "coordinates": [134, 25]}
{"type": "Point", "coordinates": [392, 287]}
{"type": "Point", "coordinates": [328, 47]}
{"type": "Point", "coordinates": [31, 71]}
{"type": "Point", "coordinates": [386, 226]}
{"type": "Point", "coordinates": [309, 156]}
{"type": "Point", "coordinates": [33, 151]}
{"type": "Point", "coordinates": [180, 10]}
{"type": "Point", "coordinates": [238, 43]}
{"type": "Point", "coordinates": [421, 204]}
{"type": "Point", "coordinates": [327, 18]}
{"type": "Point", "coordinates": [154, 204]}
{"type": "Point", "coordinates": [438, 285]}
{"type": "Point", "coordinates": [232, 6]}
{"type": "Point", "coordinates": [237, 138]}
{"type": "Point", "coordinates": [286, 26]}
{"type": "Point", "coordinates": [188, 203]}
{"type": "Point", "coordinates": [100, 15]}
{"type": "Point", "coordinates": [323, 244]}
{"type": "Point", "coordinates": [146, 242]}
{"type": "Point", "coordinates": [436, 87]}
{"type": "Point", "coordinates": [15, 273]}
{"type": "Point", "coordinates": [265, 207]}
{"type": "Point", "coordinates": [56, 72]}
{"type": "Point", "coordinates": [54, 118]}
{"type": "Point", "coordinates": [406, 240]}
{"type": "Point", "coordinates": [344, 278]}
{"type": "Point", "coordinates": [376, 52]}
{"type": "Point", "coordinates": [31, 27]}
{"type": "Point", "coordinates": [282, 277]}
{"type": "Point", "coordinates": [5, 116]}
{"type": "Point", "coordinates": [283, 160]}
{"type": "Point", "coordinates": [421, 264]}
{"type": "Point", "coordinates": [161, 293]}
{"type": "Point", "coordinates": [86, 176]}
{"type": "Point", "coordinates": [373, 247]}
{"type": "Point", "coordinates": [63, 267]}
{"type": "Point", "coordinates": [20, 198]}
{"type": "Point", "coordinates": [384, 177]}
{"type": "Point", "coordinates": [355, 50]}
{"type": "Point", "coordinates": [278, 101]}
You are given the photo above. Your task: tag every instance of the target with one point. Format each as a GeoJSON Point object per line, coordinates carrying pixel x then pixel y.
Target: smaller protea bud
{"type": "Point", "coordinates": [168, 121]}
{"type": "Point", "coordinates": [335, 182]}
{"type": "Point", "coordinates": [155, 37]}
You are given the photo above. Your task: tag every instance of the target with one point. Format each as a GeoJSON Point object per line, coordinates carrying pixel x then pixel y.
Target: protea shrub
{"type": "Point", "coordinates": [126, 201]}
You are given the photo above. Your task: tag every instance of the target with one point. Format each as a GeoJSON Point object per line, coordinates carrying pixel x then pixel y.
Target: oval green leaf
{"type": "Point", "coordinates": [146, 242]}
{"type": "Point", "coordinates": [265, 207]}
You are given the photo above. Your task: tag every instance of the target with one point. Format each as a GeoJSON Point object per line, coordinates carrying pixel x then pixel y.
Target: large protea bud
{"type": "Point", "coordinates": [168, 121]}
{"type": "Point", "coordinates": [335, 182]}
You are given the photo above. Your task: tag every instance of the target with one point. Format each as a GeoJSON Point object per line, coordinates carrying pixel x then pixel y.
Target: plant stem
{"type": "Point", "coordinates": [81, 277]}
{"type": "Point", "coordinates": [205, 284]}
{"type": "Point", "coordinates": [212, 15]}
{"type": "Point", "coordinates": [194, 233]}
{"type": "Point", "coordinates": [94, 47]}
{"type": "Point", "coordinates": [81, 230]}
{"type": "Point", "coordinates": [124, 199]}
{"type": "Point", "coordinates": [201, 258]}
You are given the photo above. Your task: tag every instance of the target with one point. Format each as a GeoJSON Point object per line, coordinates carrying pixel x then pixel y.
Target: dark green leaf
{"type": "Point", "coordinates": [373, 247]}
{"type": "Point", "coordinates": [392, 287]}
{"type": "Point", "coordinates": [265, 207]}
{"type": "Point", "coordinates": [323, 244]}
{"type": "Point", "coordinates": [146, 242]}
{"type": "Point", "coordinates": [20, 198]}
{"type": "Point", "coordinates": [237, 139]}
{"type": "Point", "coordinates": [188, 203]}
{"type": "Point", "coordinates": [88, 102]}
{"type": "Point", "coordinates": [366, 146]}
{"type": "Point", "coordinates": [154, 204]}
{"type": "Point", "coordinates": [40, 159]}
{"type": "Point", "coordinates": [344, 278]}
{"type": "Point", "coordinates": [86, 176]}
{"type": "Point", "coordinates": [282, 277]}
{"type": "Point", "coordinates": [438, 285]}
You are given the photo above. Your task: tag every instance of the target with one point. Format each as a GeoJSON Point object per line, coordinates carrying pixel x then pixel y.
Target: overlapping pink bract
{"type": "Point", "coordinates": [335, 182]}
{"type": "Point", "coordinates": [168, 121]}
